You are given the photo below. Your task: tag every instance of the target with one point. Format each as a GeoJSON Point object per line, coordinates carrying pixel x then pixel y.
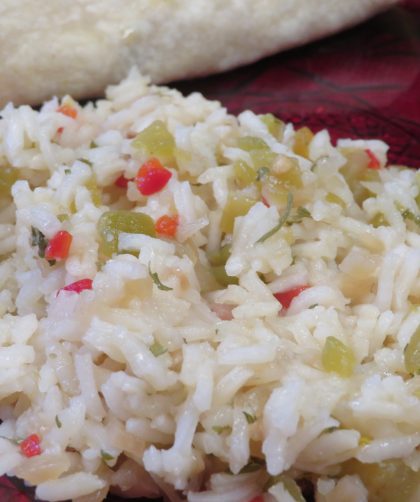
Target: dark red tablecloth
{"type": "Point", "coordinates": [364, 82]}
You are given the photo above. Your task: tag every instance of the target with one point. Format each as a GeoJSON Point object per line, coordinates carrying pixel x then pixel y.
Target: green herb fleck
{"type": "Point", "coordinates": [58, 422]}
{"type": "Point", "coordinates": [67, 171]}
{"type": "Point", "coordinates": [86, 161]}
{"type": "Point", "coordinates": [38, 239]}
{"type": "Point", "coordinates": [249, 417]}
{"type": "Point", "coordinates": [157, 349]}
{"type": "Point", "coordinates": [63, 217]}
{"type": "Point", "coordinates": [412, 354]}
{"type": "Point", "coordinates": [106, 457]}
{"type": "Point", "coordinates": [219, 429]}
{"type": "Point", "coordinates": [282, 220]}
{"type": "Point", "coordinates": [93, 145]}
{"type": "Point", "coordinates": [299, 215]}
{"type": "Point", "coordinates": [409, 215]}
{"type": "Point", "coordinates": [328, 430]}
{"type": "Point", "coordinates": [262, 173]}
{"type": "Point", "coordinates": [14, 441]}
{"type": "Point", "coordinates": [156, 280]}
{"type": "Point", "coordinates": [313, 306]}
{"type": "Point", "coordinates": [255, 464]}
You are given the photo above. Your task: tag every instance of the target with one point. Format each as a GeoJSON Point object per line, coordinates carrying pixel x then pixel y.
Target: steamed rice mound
{"type": "Point", "coordinates": [268, 345]}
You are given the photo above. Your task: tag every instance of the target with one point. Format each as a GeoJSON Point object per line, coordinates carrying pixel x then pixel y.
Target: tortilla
{"type": "Point", "coordinates": [79, 47]}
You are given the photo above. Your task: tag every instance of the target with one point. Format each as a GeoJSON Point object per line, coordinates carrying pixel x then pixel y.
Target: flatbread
{"type": "Point", "coordinates": [78, 47]}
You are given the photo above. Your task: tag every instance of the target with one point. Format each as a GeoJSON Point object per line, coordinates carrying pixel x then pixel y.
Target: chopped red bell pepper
{"type": "Point", "coordinates": [373, 160]}
{"type": "Point", "coordinates": [286, 297]}
{"type": "Point", "coordinates": [68, 110]}
{"type": "Point", "coordinates": [31, 446]}
{"type": "Point", "coordinates": [152, 177]}
{"type": "Point", "coordinates": [59, 246]}
{"type": "Point", "coordinates": [265, 201]}
{"type": "Point", "coordinates": [78, 286]}
{"type": "Point", "coordinates": [167, 225]}
{"type": "Point", "coordinates": [122, 181]}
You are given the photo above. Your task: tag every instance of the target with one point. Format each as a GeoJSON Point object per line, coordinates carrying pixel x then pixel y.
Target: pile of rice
{"type": "Point", "coordinates": [242, 399]}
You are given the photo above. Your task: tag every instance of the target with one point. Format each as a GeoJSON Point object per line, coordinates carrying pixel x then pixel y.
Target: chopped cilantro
{"type": "Point", "coordinates": [328, 430]}
{"type": "Point", "coordinates": [222, 428]}
{"type": "Point", "coordinates": [86, 161]}
{"type": "Point", "coordinates": [255, 464]}
{"type": "Point", "coordinates": [249, 417]}
{"type": "Point", "coordinates": [156, 280]}
{"type": "Point", "coordinates": [299, 215]}
{"type": "Point", "coordinates": [106, 457]}
{"type": "Point", "coordinates": [409, 215]}
{"type": "Point", "coordinates": [282, 220]}
{"type": "Point", "coordinates": [14, 441]}
{"type": "Point", "coordinates": [38, 239]}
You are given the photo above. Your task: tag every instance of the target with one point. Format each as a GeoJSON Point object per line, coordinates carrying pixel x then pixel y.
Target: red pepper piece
{"type": "Point", "coordinates": [258, 498]}
{"type": "Point", "coordinates": [78, 286]}
{"type": "Point", "coordinates": [59, 246]}
{"type": "Point", "coordinates": [373, 160]}
{"type": "Point", "coordinates": [286, 297]}
{"type": "Point", "coordinates": [31, 446]}
{"type": "Point", "coordinates": [152, 177]}
{"type": "Point", "coordinates": [68, 110]}
{"type": "Point", "coordinates": [265, 201]}
{"type": "Point", "coordinates": [167, 225]}
{"type": "Point", "coordinates": [122, 182]}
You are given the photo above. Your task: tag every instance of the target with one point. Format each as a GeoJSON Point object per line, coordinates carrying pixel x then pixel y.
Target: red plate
{"type": "Point", "coordinates": [363, 83]}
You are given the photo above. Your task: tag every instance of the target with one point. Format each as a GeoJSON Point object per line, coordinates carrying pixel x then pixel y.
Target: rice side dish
{"type": "Point", "coordinates": [204, 307]}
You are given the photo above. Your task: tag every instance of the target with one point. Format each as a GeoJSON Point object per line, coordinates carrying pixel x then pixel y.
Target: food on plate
{"type": "Point", "coordinates": [79, 47]}
{"type": "Point", "coordinates": [205, 306]}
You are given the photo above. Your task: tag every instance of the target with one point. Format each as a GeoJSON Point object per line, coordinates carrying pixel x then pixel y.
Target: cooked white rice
{"type": "Point", "coordinates": [199, 391]}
